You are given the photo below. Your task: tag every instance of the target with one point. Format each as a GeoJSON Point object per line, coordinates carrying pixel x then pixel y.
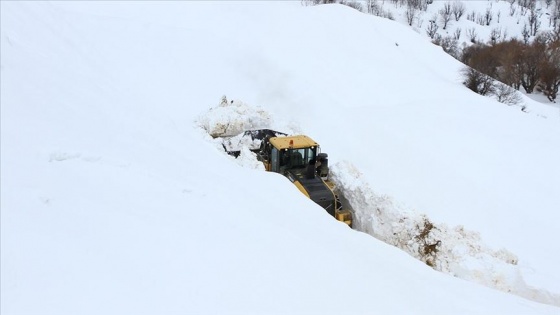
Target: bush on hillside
{"type": "Point", "coordinates": [353, 4]}
{"type": "Point", "coordinates": [477, 81]}
{"type": "Point", "coordinates": [532, 66]}
{"type": "Point", "coordinates": [506, 94]}
{"type": "Point", "coordinates": [449, 44]}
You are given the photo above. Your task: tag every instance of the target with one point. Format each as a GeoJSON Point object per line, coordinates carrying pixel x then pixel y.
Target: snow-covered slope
{"type": "Point", "coordinates": [480, 22]}
{"type": "Point", "coordinates": [114, 201]}
{"type": "Point", "coordinates": [509, 17]}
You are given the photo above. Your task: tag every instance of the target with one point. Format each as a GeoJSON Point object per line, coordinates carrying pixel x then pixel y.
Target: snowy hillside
{"type": "Point", "coordinates": [457, 24]}
{"type": "Point", "coordinates": [115, 200]}
{"type": "Point", "coordinates": [484, 16]}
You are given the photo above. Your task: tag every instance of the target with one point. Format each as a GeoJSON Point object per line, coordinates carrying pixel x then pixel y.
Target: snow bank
{"type": "Point", "coordinates": [452, 250]}
{"type": "Point", "coordinates": [233, 117]}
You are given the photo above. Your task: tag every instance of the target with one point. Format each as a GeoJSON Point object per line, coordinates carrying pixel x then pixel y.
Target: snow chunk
{"type": "Point", "coordinates": [248, 159]}
{"type": "Point", "coordinates": [229, 119]}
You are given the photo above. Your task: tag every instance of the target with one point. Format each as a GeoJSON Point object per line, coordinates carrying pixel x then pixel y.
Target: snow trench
{"type": "Point", "coordinates": [452, 250]}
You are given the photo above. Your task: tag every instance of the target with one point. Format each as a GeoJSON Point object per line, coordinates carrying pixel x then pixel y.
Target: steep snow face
{"type": "Point", "coordinates": [452, 250]}
{"type": "Point", "coordinates": [114, 201]}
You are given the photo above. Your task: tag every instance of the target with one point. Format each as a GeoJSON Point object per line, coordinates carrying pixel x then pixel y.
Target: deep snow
{"type": "Point", "coordinates": [114, 200]}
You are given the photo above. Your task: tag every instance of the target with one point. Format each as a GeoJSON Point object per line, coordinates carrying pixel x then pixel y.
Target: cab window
{"type": "Point", "coordinates": [297, 158]}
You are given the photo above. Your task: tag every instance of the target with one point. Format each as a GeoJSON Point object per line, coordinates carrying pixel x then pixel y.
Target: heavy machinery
{"type": "Point", "coordinates": [299, 158]}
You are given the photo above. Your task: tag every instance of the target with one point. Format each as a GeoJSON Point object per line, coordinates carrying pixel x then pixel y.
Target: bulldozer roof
{"type": "Point", "coordinates": [299, 142]}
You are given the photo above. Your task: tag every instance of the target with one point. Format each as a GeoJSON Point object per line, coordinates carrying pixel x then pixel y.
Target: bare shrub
{"type": "Point", "coordinates": [477, 81]}
{"type": "Point", "coordinates": [511, 56]}
{"type": "Point", "coordinates": [483, 84]}
{"type": "Point", "coordinates": [534, 22]}
{"type": "Point", "coordinates": [471, 16]}
{"type": "Point", "coordinates": [410, 14]}
{"type": "Point", "coordinates": [445, 14]}
{"type": "Point", "coordinates": [533, 65]}
{"type": "Point", "coordinates": [553, 18]}
{"type": "Point", "coordinates": [512, 9]}
{"type": "Point", "coordinates": [432, 28]}
{"type": "Point", "coordinates": [488, 15]}
{"type": "Point", "coordinates": [495, 35]}
{"type": "Point", "coordinates": [374, 8]}
{"type": "Point", "coordinates": [480, 19]}
{"type": "Point", "coordinates": [353, 4]}
{"type": "Point", "coordinates": [528, 4]}
{"type": "Point", "coordinates": [506, 94]}
{"type": "Point", "coordinates": [458, 10]}
{"type": "Point", "coordinates": [472, 35]}
{"type": "Point", "coordinates": [526, 33]}
{"type": "Point", "coordinates": [457, 34]}
{"type": "Point", "coordinates": [549, 82]}
{"type": "Point", "coordinates": [419, 23]}
{"type": "Point", "coordinates": [417, 4]}
{"type": "Point", "coordinates": [449, 44]}
{"type": "Point", "coordinates": [317, 2]}
{"type": "Point", "coordinates": [389, 15]}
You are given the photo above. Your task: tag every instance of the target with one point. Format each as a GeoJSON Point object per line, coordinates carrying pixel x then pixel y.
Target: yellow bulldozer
{"type": "Point", "coordinates": [300, 159]}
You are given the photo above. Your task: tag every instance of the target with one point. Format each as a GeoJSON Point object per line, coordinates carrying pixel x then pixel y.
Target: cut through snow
{"type": "Point", "coordinates": [452, 250]}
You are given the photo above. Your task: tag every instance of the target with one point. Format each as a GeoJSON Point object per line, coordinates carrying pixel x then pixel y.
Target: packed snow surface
{"type": "Point", "coordinates": [115, 198]}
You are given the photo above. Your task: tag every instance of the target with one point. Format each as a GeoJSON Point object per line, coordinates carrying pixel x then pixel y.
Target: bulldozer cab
{"type": "Point", "coordinates": [294, 152]}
